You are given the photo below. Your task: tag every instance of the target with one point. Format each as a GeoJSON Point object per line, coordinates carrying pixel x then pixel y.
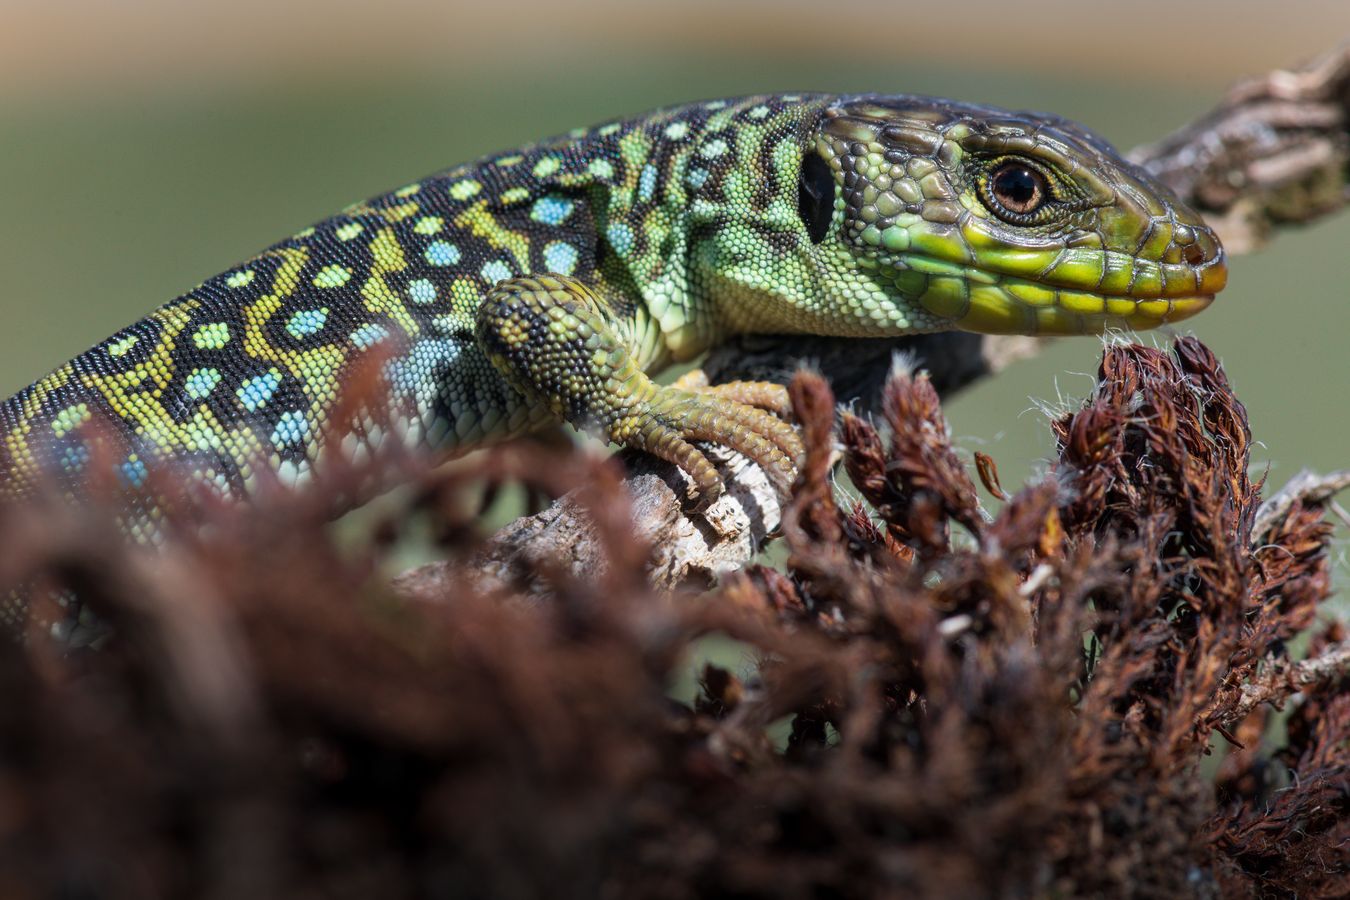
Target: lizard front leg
{"type": "Point", "coordinates": [555, 340]}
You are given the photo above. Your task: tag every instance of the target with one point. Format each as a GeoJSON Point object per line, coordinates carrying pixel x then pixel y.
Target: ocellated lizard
{"type": "Point", "coordinates": [543, 284]}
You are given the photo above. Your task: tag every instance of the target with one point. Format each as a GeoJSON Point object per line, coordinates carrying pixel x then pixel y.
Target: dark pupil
{"type": "Point", "coordinates": [1017, 187]}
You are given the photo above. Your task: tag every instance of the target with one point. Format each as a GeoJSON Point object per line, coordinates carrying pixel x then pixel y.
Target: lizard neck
{"type": "Point", "coordinates": [692, 206]}
{"type": "Point", "coordinates": [750, 267]}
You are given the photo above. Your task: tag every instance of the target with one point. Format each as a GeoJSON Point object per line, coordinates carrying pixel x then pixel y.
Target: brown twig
{"type": "Point", "coordinates": [1275, 152]}
{"type": "Point", "coordinates": [1304, 488]}
{"type": "Point", "coordinates": [1283, 679]}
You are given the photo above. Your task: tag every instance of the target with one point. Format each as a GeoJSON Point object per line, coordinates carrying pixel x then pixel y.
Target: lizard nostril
{"type": "Point", "coordinates": [1193, 254]}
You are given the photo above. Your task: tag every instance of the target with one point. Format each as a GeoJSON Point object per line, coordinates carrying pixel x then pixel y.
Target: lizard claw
{"type": "Point", "coordinates": [765, 395]}
{"type": "Point", "coordinates": [675, 417]}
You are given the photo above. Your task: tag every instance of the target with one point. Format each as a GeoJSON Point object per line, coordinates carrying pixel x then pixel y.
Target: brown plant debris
{"type": "Point", "coordinates": [928, 701]}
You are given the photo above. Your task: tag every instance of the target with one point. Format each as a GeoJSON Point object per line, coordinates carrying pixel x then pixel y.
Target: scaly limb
{"type": "Point", "coordinates": [555, 340]}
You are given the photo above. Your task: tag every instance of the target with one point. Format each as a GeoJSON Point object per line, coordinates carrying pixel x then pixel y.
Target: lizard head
{"type": "Point", "coordinates": [948, 215]}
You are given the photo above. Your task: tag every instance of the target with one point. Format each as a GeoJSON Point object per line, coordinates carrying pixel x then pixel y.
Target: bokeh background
{"type": "Point", "coordinates": [148, 144]}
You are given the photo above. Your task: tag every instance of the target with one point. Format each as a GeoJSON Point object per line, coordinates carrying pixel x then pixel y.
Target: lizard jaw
{"type": "Point", "coordinates": [971, 299]}
{"type": "Point", "coordinates": [1001, 313]}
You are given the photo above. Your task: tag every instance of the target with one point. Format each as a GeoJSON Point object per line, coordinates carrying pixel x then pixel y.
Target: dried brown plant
{"type": "Point", "coordinates": [942, 703]}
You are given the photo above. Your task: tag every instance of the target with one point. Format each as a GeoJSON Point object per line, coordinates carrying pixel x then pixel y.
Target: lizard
{"type": "Point", "coordinates": [548, 284]}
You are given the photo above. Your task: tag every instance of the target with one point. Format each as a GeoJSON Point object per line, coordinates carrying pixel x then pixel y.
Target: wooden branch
{"type": "Point", "coordinates": [857, 367]}
{"type": "Point", "coordinates": [1284, 679]}
{"type": "Point", "coordinates": [1306, 488]}
{"type": "Point", "coordinates": [1275, 152]}
{"type": "Point", "coordinates": [688, 549]}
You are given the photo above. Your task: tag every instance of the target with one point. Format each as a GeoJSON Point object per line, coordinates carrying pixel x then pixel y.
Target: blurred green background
{"type": "Point", "coordinates": [148, 144]}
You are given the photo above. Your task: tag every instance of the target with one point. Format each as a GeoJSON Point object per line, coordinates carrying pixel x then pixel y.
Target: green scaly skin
{"type": "Point", "coordinates": [544, 284]}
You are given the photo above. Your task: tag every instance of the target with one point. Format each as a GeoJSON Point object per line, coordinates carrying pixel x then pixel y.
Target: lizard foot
{"type": "Point", "coordinates": [674, 417]}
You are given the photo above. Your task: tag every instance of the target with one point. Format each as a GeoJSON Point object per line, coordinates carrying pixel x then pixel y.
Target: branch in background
{"type": "Point", "coordinates": [1275, 152]}
{"type": "Point", "coordinates": [1284, 679]}
{"type": "Point", "coordinates": [1304, 489]}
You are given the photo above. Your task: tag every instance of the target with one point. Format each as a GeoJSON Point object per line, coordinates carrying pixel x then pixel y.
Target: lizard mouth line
{"type": "Point", "coordinates": [976, 300]}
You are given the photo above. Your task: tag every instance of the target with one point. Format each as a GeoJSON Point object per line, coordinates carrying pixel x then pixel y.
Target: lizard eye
{"type": "Point", "coordinates": [815, 196]}
{"type": "Point", "coordinates": [1015, 191]}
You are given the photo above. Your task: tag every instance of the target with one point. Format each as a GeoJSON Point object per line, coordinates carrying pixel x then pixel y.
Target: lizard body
{"type": "Point", "coordinates": [543, 284]}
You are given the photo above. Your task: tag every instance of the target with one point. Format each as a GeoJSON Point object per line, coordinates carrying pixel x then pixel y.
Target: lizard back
{"type": "Point", "coordinates": [243, 371]}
